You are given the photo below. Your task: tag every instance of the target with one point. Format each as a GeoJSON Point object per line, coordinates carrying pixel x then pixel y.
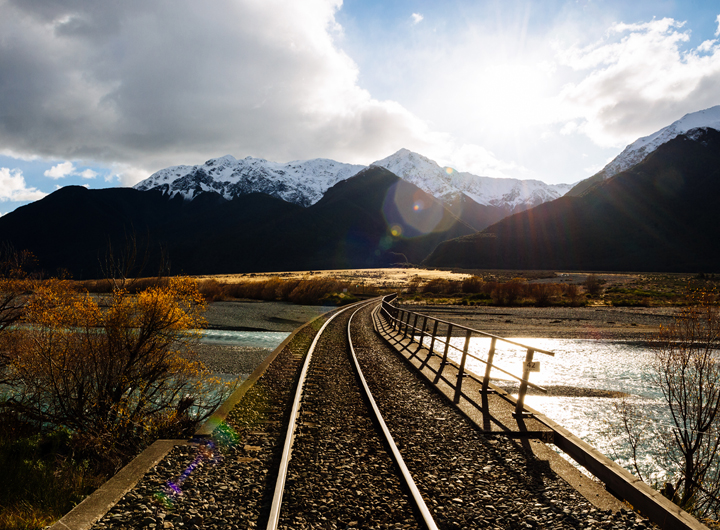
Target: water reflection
{"type": "Point", "coordinates": [250, 339]}
{"type": "Point", "coordinates": [586, 364]}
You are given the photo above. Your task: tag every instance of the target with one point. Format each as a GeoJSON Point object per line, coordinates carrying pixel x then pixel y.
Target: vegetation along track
{"type": "Point", "coordinates": [341, 474]}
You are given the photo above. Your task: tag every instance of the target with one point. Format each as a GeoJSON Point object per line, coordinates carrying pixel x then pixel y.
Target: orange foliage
{"type": "Point", "coordinates": [117, 368]}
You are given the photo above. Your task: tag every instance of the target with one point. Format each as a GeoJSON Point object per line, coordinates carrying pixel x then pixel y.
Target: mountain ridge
{"type": "Point", "coordinates": [656, 216]}
{"type": "Point", "coordinates": [637, 151]}
{"type": "Point", "coordinates": [304, 182]}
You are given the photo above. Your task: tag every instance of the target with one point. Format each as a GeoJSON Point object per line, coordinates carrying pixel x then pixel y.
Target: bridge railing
{"type": "Point", "coordinates": [423, 328]}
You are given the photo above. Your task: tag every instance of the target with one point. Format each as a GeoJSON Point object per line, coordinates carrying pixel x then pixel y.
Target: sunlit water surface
{"type": "Point", "coordinates": [585, 363]}
{"type": "Point", "coordinates": [251, 339]}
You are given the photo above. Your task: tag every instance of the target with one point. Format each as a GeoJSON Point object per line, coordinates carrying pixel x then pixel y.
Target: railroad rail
{"type": "Point", "coordinates": [339, 471]}
{"type": "Point", "coordinates": [307, 379]}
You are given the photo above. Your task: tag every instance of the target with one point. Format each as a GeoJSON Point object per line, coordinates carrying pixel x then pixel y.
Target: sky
{"type": "Point", "coordinates": [104, 94]}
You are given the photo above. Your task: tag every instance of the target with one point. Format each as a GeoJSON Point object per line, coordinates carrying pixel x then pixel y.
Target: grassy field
{"type": "Point", "coordinates": [484, 287]}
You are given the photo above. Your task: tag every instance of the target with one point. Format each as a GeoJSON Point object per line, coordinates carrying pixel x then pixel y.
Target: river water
{"type": "Point", "coordinates": [593, 364]}
{"type": "Point", "coordinates": [582, 363]}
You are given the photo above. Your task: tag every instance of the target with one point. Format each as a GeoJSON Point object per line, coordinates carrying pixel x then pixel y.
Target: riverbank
{"type": "Point", "coordinates": [254, 316]}
{"type": "Point", "coordinates": [638, 324]}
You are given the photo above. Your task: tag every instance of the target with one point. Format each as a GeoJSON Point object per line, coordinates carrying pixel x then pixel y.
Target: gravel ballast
{"type": "Point", "coordinates": [340, 475]}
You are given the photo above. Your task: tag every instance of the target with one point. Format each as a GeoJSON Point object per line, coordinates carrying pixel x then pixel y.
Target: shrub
{"type": "Point", "coordinates": [212, 290]}
{"type": "Point", "coordinates": [544, 293]}
{"type": "Point", "coordinates": [593, 285]}
{"type": "Point", "coordinates": [473, 284]}
{"type": "Point", "coordinates": [507, 293]}
{"type": "Point", "coordinates": [117, 371]}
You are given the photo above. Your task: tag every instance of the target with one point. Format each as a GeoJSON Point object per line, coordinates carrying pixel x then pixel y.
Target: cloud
{"type": "Point", "coordinates": [88, 174]}
{"type": "Point", "coordinates": [717, 31]}
{"type": "Point", "coordinates": [417, 18]}
{"type": "Point", "coordinates": [61, 170]}
{"type": "Point", "coordinates": [14, 188]}
{"type": "Point", "coordinates": [153, 84]}
{"type": "Point", "coordinates": [638, 79]}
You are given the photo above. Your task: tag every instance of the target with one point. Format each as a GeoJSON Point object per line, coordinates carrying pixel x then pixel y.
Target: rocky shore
{"type": "Point", "coordinates": [602, 322]}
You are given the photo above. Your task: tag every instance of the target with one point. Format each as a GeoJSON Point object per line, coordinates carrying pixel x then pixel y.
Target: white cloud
{"type": "Point", "coordinates": [569, 128]}
{"type": "Point", "coordinates": [14, 188]}
{"type": "Point", "coordinates": [61, 170]}
{"type": "Point", "coordinates": [126, 174]}
{"type": "Point", "coordinates": [417, 18]}
{"type": "Point", "coordinates": [717, 31]}
{"type": "Point", "coordinates": [158, 84]}
{"type": "Point", "coordinates": [88, 174]}
{"type": "Point", "coordinates": [639, 79]}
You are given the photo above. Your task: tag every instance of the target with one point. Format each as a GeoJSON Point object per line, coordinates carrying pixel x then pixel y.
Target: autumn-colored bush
{"type": "Point", "coordinates": [413, 285]}
{"type": "Point", "coordinates": [118, 370]}
{"type": "Point", "coordinates": [313, 291]}
{"type": "Point", "coordinates": [441, 286]}
{"type": "Point", "coordinates": [507, 293]}
{"type": "Point", "coordinates": [212, 290]}
{"type": "Point", "coordinates": [473, 284]}
{"type": "Point", "coordinates": [543, 293]}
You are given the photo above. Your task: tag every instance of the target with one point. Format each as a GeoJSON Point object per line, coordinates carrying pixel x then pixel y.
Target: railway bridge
{"type": "Point", "coordinates": [366, 417]}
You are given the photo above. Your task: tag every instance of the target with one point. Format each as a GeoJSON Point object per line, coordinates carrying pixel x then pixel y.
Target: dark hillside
{"type": "Point", "coordinates": [372, 219]}
{"type": "Point", "coordinates": [660, 215]}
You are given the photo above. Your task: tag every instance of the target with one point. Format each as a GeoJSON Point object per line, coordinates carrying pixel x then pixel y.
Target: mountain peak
{"type": "Point", "coordinates": [450, 185]}
{"type": "Point", "coordinates": [637, 151]}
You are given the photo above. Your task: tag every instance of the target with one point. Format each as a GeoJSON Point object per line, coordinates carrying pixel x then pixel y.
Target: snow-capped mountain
{"type": "Point", "coordinates": [637, 151]}
{"type": "Point", "coordinates": [302, 182]}
{"type": "Point", "coordinates": [305, 182]}
{"type": "Point", "coordinates": [447, 184]}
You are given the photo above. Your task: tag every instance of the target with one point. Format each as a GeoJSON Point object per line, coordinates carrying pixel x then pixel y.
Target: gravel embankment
{"type": "Point", "coordinates": [469, 480]}
{"type": "Point", "coordinates": [340, 472]}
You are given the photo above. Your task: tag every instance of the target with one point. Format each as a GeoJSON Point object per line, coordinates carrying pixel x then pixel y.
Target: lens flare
{"type": "Point", "coordinates": [223, 436]}
{"type": "Point", "coordinates": [410, 212]}
{"type": "Point", "coordinates": [449, 170]}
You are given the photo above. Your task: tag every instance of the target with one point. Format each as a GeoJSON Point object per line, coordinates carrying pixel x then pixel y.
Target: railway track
{"type": "Point", "coordinates": [339, 459]}
{"type": "Point", "coordinates": [335, 469]}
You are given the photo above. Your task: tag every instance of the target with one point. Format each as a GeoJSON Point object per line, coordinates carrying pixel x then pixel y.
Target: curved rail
{"type": "Point", "coordinates": [290, 436]}
{"type": "Point", "coordinates": [406, 476]}
{"type": "Point", "coordinates": [276, 505]}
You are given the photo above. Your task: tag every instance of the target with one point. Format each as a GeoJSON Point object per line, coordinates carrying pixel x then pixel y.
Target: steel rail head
{"type": "Point", "coordinates": [276, 505]}
{"type": "Point", "coordinates": [407, 477]}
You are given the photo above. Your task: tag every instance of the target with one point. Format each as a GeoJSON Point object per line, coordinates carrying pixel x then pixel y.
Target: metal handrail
{"type": "Point", "coordinates": [397, 318]}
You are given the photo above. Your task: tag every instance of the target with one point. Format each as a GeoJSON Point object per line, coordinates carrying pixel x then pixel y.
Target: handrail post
{"type": "Point", "coordinates": [523, 383]}
{"type": "Point", "coordinates": [488, 366]}
{"type": "Point", "coordinates": [414, 328]}
{"type": "Point", "coordinates": [432, 339]}
{"type": "Point", "coordinates": [422, 331]}
{"type": "Point", "coordinates": [447, 343]}
{"type": "Point", "coordinates": [461, 370]}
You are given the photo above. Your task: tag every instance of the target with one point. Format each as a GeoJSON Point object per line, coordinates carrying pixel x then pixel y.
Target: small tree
{"type": "Point", "coordinates": [16, 287]}
{"type": "Point", "coordinates": [593, 284]}
{"type": "Point", "coordinates": [117, 370]}
{"type": "Point", "coordinates": [687, 371]}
